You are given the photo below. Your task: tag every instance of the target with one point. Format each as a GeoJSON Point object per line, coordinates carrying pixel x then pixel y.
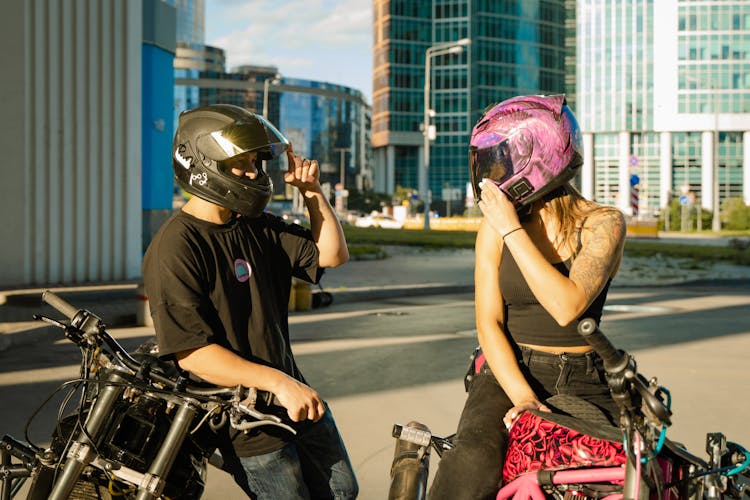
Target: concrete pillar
{"type": "Point", "coordinates": [707, 170]}
{"type": "Point", "coordinates": [588, 176]}
{"type": "Point", "coordinates": [390, 169]}
{"type": "Point", "coordinates": [746, 167]}
{"type": "Point", "coordinates": [665, 168]}
{"type": "Point", "coordinates": [623, 197]}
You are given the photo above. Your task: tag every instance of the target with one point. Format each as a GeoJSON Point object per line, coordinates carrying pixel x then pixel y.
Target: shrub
{"type": "Point", "coordinates": [735, 215]}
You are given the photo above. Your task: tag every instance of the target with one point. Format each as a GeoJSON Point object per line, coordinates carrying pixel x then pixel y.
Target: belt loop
{"type": "Point", "coordinates": [590, 361]}
{"type": "Point", "coordinates": [526, 354]}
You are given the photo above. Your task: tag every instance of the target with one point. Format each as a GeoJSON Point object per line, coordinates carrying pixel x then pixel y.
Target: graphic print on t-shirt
{"type": "Point", "coordinates": [242, 270]}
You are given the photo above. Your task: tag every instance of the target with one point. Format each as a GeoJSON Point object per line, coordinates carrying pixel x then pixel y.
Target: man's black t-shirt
{"type": "Point", "coordinates": [229, 285]}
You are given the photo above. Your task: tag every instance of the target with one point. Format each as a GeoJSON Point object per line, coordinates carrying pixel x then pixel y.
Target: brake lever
{"type": "Point", "coordinates": [652, 404]}
{"type": "Point", "coordinates": [71, 333]}
{"type": "Point", "coordinates": [247, 407]}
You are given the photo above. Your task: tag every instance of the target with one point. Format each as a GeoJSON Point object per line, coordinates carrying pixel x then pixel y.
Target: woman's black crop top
{"type": "Point", "coordinates": [527, 321]}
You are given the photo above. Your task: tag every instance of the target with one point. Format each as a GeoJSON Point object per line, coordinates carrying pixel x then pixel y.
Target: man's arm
{"type": "Point", "coordinates": [326, 229]}
{"type": "Point", "coordinates": [220, 366]}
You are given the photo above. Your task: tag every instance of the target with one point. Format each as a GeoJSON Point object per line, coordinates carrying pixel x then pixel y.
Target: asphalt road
{"type": "Point", "coordinates": [401, 359]}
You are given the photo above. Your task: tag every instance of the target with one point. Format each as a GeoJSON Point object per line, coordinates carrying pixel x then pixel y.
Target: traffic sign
{"type": "Point", "coordinates": [634, 180]}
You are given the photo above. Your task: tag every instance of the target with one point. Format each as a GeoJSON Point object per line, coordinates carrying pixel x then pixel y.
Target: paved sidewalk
{"type": "Point", "coordinates": [407, 271]}
{"type": "Point", "coordinates": [691, 364]}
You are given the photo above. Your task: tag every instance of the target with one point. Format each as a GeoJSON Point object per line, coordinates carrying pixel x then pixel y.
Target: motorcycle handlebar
{"type": "Point", "coordinates": [617, 361]}
{"type": "Point", "coordinates": [71, 312]}
{"type": "Point", "coordinates": [60, 304]}
{"type": "Point", "coordinates": [614, 359]}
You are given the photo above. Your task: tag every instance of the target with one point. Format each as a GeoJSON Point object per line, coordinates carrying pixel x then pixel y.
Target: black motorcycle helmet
{"type": "Point", "coordinates": [209, 135]}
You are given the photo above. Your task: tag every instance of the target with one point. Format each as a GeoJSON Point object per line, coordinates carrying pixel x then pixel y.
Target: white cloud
{"type": "Point", "coordinates": [314, 39]}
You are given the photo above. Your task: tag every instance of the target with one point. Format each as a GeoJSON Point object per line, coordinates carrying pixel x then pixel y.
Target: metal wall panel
{"type": "Point", "coordinates": [81, 154]}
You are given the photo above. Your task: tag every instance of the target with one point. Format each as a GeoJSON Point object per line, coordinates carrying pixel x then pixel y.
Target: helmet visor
{"type": "Point", "coordinates": [493, 163]}
{"type": "Point", "coordinates": [241, 136]}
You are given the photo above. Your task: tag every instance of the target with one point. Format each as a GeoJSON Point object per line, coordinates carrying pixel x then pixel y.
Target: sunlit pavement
{"type": "Point", "coordinates": [394, 346]}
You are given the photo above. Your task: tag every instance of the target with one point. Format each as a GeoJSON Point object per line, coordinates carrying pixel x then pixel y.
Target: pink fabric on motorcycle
{"type": "Point", "coordinates": [536, 443]}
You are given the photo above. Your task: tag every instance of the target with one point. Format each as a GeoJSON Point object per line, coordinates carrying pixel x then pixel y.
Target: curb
{"type": "Point", "coordinates": [111, 307]}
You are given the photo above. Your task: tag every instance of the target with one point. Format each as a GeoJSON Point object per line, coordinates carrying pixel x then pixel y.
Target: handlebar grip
{"type": "Point", "coordinates": [412, 434]}
{"type": "Point", "coordinates": [61, 305]}
{"type": "Point", "coordinates": [614, 359]}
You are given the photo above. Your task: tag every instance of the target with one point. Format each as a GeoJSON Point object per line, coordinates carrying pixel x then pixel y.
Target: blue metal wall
{"type": "Point", "coordinates": [158, 128]}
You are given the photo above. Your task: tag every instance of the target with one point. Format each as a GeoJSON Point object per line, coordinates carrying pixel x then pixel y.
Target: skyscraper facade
{"type": "Point", "coordinates": [663, 97]}
{"type": "Point", "coordinates": [508, 48]}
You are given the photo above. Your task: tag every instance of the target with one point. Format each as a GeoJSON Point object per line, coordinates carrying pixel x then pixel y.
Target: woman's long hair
{"type": "Point", "coordinates": [570, 210]}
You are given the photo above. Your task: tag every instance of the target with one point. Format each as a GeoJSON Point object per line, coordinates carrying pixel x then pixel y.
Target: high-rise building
{"type": "Point", "coordinates": [506, 48]}
{"type": "Point", "coordinates": [323, 120]}
{"type": "Point", "coordinates": [663, 97]}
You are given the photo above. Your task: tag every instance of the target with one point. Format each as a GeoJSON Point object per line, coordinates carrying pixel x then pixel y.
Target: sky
{"type": "Point", "coordinates": [322, 40]}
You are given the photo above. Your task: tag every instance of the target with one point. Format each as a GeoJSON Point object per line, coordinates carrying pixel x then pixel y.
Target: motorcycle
{"type": "Point", "coordinates": [141, 430]}
{"type": "Point", "coordinates": [572, 453]}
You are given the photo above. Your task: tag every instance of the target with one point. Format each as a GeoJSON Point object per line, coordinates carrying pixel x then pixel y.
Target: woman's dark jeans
{"type": "Point", "coordinates": [472, 470]}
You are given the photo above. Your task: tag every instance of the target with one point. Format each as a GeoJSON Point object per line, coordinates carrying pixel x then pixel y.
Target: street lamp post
{"type": "Point", "coordinates": [716, 218]}
{"type": "Point", "coordinates": [428, 131]}
{"type": "Point", "coordinates": [340, 197]}
{"type": "Point", "coordinates": [266, 84]}
{"type": "Point", "coordinates": [342, 174]}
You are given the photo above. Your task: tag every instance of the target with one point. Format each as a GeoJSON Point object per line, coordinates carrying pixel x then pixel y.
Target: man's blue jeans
{"type": "Point", "coordinates": [313, 466]}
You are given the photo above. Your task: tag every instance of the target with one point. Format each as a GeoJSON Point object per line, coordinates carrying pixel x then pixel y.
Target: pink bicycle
{"type": "Point", "coordinates": [575, 454]}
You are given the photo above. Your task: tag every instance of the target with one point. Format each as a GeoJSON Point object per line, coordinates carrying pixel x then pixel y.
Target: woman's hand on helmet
{"type": "Point", "coordinates": [303, 174]}
{"type": "Point", "coordinates": [512, 415]}
{"type": "Point", "coordinates": [497, 208]}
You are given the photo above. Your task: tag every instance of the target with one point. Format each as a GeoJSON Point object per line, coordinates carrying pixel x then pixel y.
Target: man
{"type": "Point", "coordinates": [218, 276]}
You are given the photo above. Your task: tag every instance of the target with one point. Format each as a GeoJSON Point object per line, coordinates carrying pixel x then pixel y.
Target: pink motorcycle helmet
{"type": "Point", "coordinates": [527, 145]}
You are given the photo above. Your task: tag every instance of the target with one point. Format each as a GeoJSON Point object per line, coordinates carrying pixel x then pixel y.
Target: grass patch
{"type": "Point", "coordinates": [409, 237]}
{"type": "Point", "coordinates": [699, 253]}
{"type": "Point", "coordinates": [359, 236]}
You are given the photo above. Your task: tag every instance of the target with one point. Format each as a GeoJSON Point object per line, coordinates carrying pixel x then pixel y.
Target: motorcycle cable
{"type": "Point", "coordinates": [35, 413]}
{"type": "Point", "coordinates": [733, 469]}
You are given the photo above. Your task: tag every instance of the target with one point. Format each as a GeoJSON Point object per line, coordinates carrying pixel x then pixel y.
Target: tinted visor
{"type": "Point", "coordinates": [241, 136]}
{"type": "Point", "coordinates": [492, 163]}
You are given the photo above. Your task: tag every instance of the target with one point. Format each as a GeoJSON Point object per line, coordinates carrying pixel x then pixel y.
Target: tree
{"type": "Point", "coordinates": [735, 214]}
{"type": "Point", "coordinates": [684, 217]}
{"type": "Point", "coordinates": [366, 201]}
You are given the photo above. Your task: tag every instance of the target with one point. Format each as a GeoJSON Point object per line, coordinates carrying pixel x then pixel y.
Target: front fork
{"type": "Point", "coordinates": [82, 451]}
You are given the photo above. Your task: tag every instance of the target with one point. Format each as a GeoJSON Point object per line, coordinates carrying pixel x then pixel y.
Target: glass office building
{"type": "Point", "coordinates": [516, 47]}
{"type": "Point", "coordinates": [663, 96]}
{"type": "Point", "coordinates": [324, 121]}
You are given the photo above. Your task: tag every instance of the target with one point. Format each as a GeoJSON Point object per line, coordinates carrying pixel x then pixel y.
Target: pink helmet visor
{"type": "Point", "coordinates": [527, 145]}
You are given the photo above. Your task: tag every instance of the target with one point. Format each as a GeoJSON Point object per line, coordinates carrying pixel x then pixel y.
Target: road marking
{"type": "Point", "coordinates": [327, 316]}
{"type": "Point", "coordinates": [322, 346]}
{"type": "Point", "coordinates": [680, 304]}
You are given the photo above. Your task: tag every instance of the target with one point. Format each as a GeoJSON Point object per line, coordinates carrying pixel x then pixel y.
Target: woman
{"type": "Point", "coordinates": [545, 257]}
